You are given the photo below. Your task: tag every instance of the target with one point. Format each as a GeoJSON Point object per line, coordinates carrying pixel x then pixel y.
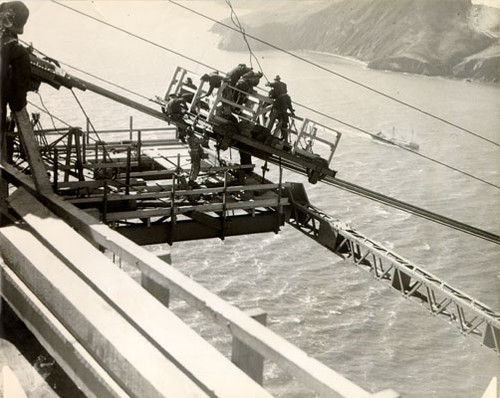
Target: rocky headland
{"type": "Point", "coordinates": [452, 38]}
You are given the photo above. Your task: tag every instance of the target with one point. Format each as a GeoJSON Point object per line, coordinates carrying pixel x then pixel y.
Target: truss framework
{"type": "Point", "coordinates": [468, 315]}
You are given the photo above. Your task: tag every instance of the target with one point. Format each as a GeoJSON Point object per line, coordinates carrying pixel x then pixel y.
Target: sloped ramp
{"type": "Point", "coordinates": [135, 346]}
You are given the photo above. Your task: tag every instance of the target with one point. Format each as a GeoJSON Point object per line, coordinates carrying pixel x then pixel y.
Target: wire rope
{"type": "Point", "coordinates": [49, 113]}
{"type": "Point", "coordinates": [237, 23]}
{"type": "Point", "coordinates": [134, 35]}
{"type": "Point", "coordinates": [328, 70]}
{"type": "Point", "coordinates": [296, 56]}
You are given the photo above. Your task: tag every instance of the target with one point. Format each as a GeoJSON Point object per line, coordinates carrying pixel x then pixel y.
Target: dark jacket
{"type": "Point", "coordinates": [278, 88]}
{"type": "Point", "coordinates": [283, 104]}
{"type": "Point", "coordinates": [15, 72]}
{"type": "Point", "coordinates": [236, 73]}
{"type": "Point", "coordinates": [176, 108]}
{"type": "Point", "coordinates": [253, 78]}
{"type": "Point", "coordinates": [215, 81]}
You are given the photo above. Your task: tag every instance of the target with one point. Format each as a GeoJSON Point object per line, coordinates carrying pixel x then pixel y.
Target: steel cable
{"type": "Point", "coordinates": [303, 59]}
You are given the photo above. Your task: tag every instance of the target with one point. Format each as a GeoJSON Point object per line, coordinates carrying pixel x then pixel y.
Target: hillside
{"type": "Point", "coordinates": [431, 37]}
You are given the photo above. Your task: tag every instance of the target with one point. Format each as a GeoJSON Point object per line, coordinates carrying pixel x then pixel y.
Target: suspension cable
{"type": "Point", "coordinates": [406, 149]}
{"type": "Point", "coordinates": [47, 111]}
{"type": "Point", "coordinates": [134, 35]}
{"type": "Point", "coordinates": [91, 124]}
{"type": "Point", "coordinates": [237, 23]}
{"type": "Point", "coordinates": [287, 52]}
{"type": "Point", "coordinates": [52, 116]}
{"type": "Point", "coordinates": [341, 76]}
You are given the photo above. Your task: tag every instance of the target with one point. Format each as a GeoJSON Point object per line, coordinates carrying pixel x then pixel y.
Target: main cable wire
{"type": "Point", "coordinates": [237, 23]}
{"type": "Point", "coordinates": [303, 106]}
{"type": "Point", "coordinates": [134, 35]}
{"type": "Point", "coordinates": [365, 86]}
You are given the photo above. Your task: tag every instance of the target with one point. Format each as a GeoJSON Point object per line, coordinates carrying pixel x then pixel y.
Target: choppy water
{"type": "Point", "coordinates": [335, 312]}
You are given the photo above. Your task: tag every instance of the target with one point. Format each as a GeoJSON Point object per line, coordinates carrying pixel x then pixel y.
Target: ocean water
{"type": "Point", "coordinates": [327, 307]}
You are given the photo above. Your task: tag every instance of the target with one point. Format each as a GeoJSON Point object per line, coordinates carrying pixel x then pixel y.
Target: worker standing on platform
{"type": "Point", "coordinates": [175, 110]}
{"type": "Point", "coordinates": [279, 112]}
{"type": "Point", "coordinates": [245, 85]}
{"type": "Point", "coordinates": [278, 88]}
{"type": "Point", "coordinates": [281, 105]}
{"type": "Point", "coordinates": [195, 153]}
{"type": "Point", "coordinates": [188, 94]}
{"type": "Point", "coordinates": [234, 74]}
{"type": "Point", "coordinates": [15, 71]}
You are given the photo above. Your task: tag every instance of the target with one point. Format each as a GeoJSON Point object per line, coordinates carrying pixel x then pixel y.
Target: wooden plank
{"type": "Point", "coordinates": [78, 364]}
{"type": "Point", "coordinates": [132, 361]}
{"type": "Point", "coordinates": [99, 183]}
{"type": "Point", "coordinates": [174, 339]}
{"type": "Point", "coordinates": [313, 373]}
{"type": "Point", "coordinates": [100, 165]}
{"type": "Point", "coordinates": [27, 136]}
{"type": "Point", "coordinates": [11, 386]}
{"type": "Point", "coordinates": [251, 362]}
{"type": "Point", "coordinates": [167, 194]}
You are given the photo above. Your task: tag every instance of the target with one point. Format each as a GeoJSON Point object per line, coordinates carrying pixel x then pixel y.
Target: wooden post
{"type": "Point", "coordinates": [131, 127]}
{"type": "Point", "coordinates": [84, 146]}
{"type": "Point", "coordinates": [211, 112]}
{"type": "Point", "coordinates": [105, 202]}
{"type": "Point", "coordinates": [87, 122]}
{"type": "Point", "coordinates": [197, 95]}
{"type": "Point", "coordinates": [56, 169]}
{"type": "Point", "coordinates": [224, 205]}
{"type": "Point", "coordinates": [248, 360]}
{"type": "Point", "coordinates": [68, 155]}
{"type": "Point", "coordinates": [160, 292]}
{"type": "Point", "coordinates": [127, 174]}
{"type": "Point", "coordinates": [139, 149]}
{"type": "Point", "coordinates": [27, 136]}
{"type": "Point", "coordinates": [77, 133]}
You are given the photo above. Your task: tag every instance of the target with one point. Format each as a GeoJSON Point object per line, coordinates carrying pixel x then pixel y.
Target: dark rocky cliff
{"type": "Point", "coordinates": [432, 37]}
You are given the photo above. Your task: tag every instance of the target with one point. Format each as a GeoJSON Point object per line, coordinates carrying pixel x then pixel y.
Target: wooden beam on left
{"type": "Point", "coordinates": [37, 167]}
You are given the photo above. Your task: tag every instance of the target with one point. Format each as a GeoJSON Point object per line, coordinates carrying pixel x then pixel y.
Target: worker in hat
{"type": "Point", "coordinates": [15, 72]}
{"type": "Point", "coordinates": [234, 74]}
{"type": "Point", "coordinates": [188, 89]}
{"type": "Point", "coordinates": [278, 88]}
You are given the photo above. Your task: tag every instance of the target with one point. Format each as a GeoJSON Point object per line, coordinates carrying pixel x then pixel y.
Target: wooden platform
{"type": "Point", "coordinates": [150, 355]}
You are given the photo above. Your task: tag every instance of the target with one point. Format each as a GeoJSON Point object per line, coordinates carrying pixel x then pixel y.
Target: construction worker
{"type": "Point", "coordinates": [245, 84]}
{"type": "Point", "coordinates": [253, 78]}
{"type": "Point", "coordinates": [278, 88]}
{"type": "Point", "coordinates": [214, 81]}
{"type": "Point", "coordinates": [175, 110]}
{"type": "Point", "coordinates": [195, 153]}
{"type": "Point", "coordinates": [279, 112]}
{"type": "Point", "coordinates": [234, 74]}
{"type": "Point", "coordinates": [15, 72]}
{"type": "Point", "coordinates": [188, 94]}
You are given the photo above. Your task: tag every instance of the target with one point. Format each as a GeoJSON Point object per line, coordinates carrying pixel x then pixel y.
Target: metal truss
{"type": "Point", "coordinates": [468, 315]}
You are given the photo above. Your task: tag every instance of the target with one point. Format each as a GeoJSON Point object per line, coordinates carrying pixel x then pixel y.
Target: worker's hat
{"type": "Point", "coordinates": [19, 12]}
{"type": "Point", "coordinates": [277, 78]}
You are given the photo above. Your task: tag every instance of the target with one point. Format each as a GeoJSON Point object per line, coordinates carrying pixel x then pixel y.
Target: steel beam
{"type": "Point", "coordinates": [469, 316]}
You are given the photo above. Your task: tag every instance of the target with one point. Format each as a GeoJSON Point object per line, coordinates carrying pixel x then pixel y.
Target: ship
{"type": "Point", "coordinates": [411, 145]}
{"type": "Point", "coordinates": [75, 193]}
